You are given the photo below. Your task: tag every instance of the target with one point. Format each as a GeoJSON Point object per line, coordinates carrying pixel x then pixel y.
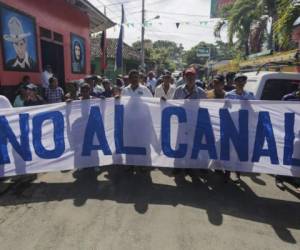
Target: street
{"type": "Point", "coordinates": [116, 209]}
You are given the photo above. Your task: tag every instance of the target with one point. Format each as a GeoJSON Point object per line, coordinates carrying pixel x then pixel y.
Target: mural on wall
{"type": "Point", "coordinates": [18, 36]}
{"type": "Point", "coordinates": [78, 54]}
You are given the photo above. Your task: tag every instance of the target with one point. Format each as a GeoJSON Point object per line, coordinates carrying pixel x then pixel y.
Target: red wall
{"type": "Point", "coordinates": [57, 16]}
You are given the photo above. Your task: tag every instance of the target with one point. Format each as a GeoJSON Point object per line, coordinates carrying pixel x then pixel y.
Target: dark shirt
{"type": "Point", "coordinates": [107, 93]}
{"type": "Point", "coordinates": [228, 88]}
{"type": "Point", "coordinates": [31, 67]}
{"type": "Point", "coordinates": [39, 101]}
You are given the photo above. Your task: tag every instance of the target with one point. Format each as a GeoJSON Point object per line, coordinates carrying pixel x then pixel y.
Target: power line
{"type": "Point", "coordinates": [118, 3]}
{"type": "Point", "coordinates": [125, 2]}
{"type": "Point", "coordinates": [175, 33]}
{"type": "Point", "coordinates": [175, 13]}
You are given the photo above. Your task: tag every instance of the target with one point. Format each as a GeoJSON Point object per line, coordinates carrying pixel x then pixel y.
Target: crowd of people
{"type": "Point", "coordinates": [138, 84]}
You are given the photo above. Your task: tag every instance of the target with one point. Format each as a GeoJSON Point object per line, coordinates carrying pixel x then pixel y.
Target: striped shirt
{"type": "Point", "coordinates": [54, 95]}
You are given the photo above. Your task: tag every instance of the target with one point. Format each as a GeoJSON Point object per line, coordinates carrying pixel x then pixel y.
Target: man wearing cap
{"type": "Point", "coordinates": [218, 88]}
{"type": "Point", "coordinates": [95, 90]}
{"type": "Point", "coordinates": [166, 90]}
{"type": "Point", "coordinates": [32, 97]}
{"type": "Point", "coordinates": [189, 90]}
{"type": "Point", "coordinates": [239, 93]}
{"type": "Point", "coordinates": [54, 94]}
{"type": "Point", "coordinates": [17, 36]}
{"type": "Point", "coordinates": [135, 89]}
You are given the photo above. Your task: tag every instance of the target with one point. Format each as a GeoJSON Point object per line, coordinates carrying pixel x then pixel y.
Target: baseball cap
{"type": "Point", "coordinates": [240, 76]}
{"type": "Point", "coordinates": [31, 86]}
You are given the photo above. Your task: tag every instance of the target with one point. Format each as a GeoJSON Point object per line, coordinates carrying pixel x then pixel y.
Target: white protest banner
{"type": "Point", "coordinates": [248, 136]}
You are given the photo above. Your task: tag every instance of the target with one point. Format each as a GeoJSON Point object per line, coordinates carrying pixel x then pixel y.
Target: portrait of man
{"type": "Point", "coordinates": [18, 41]}
{"type": "Point", "coordinates": [78, 54]}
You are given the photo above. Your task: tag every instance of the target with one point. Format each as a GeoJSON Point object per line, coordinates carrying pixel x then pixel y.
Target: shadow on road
{"type": "Point", "coordinates": [212, 195]}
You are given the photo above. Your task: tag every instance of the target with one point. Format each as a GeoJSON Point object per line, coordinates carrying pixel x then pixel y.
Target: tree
{"type": "Point", "coordinates": [162, 54]}
{"type": "Point", "coordinates": [287, 15]}
{"type": "Point", "coordinates": [247, 20]}
{"type": "Point", "coordinates": [191, 57]}
{"type": "Point", "coordinates": [148, 44]}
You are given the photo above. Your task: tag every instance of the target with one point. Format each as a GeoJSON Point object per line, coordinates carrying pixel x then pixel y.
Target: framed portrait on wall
{"type": "Point", "coordinates": [78, 54]}
{"type": "Point", "coordinates": [19, 42]}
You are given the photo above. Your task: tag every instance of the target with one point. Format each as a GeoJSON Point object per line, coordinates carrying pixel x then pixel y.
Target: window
{"type": "Point", "coordinates": [45, 33]}
{"type": "Point", "coordinates": [275, 89]}
{"type": "Point", "coordinates": [57, 37]}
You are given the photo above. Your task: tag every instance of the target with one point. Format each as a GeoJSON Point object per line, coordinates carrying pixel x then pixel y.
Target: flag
{"type": "Point", "coordinates": [103, 48]}
{"type": "Point", "coordinates": [119, 50]}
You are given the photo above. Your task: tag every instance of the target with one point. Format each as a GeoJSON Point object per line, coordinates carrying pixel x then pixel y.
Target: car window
{"type": "Point", "coordinates": [275, 89]}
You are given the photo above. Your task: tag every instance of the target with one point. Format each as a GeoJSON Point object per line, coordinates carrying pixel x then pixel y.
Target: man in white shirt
{"type": "Point", "coordinates": [166, 90]}
{"type": "Point", "coordinates": [46, 75]}
{"type": "Point", "coordinates": [135, 89]}
{"type": "Point", "coordinates": [4, 103]}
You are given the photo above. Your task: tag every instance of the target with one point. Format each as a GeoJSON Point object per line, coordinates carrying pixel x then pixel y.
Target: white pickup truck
{"type": "Point", "coordinates": [267, 85]}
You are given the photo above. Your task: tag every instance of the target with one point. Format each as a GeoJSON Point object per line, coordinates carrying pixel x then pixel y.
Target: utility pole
{"type": "Point", "coordinates": [143, 36]}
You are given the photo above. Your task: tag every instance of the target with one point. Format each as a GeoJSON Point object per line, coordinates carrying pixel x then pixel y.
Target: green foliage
{"type": "Point", "coordinates": [247, 21]}
{"type": "Point", "coordinates": [162, 54]}
{"type": "Point", "coordinates": [220, 51]}
{"type": "Point", "coordinates": [287, 15]}
{"type": "Point", "coordinates": [225, 51]}
{"type": "Point", "coordinates": [190, 56]}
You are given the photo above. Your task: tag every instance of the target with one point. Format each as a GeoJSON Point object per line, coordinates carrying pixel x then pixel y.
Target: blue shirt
{"type": "Point", "coordinates": [181, 92]}
{"type": "Point", "coordinates": [234, 96]}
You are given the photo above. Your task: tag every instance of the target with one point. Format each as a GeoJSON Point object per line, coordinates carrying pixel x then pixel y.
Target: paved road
{"type": "Point", "coordinates": [121, 210]}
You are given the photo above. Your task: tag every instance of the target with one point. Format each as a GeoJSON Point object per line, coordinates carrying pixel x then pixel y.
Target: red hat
{"type": "Point", "coordinates": [190, 71]}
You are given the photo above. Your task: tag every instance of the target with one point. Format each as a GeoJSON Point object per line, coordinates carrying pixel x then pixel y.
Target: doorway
{"type": "Point", "coordinates": [53, 54]}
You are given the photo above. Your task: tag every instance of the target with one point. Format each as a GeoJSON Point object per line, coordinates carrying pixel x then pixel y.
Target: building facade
{"type": "Point", "coordinates": [36, 33]}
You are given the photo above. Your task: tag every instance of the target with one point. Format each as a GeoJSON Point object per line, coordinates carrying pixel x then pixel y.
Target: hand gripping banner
{"type": "Point", "coordinates": [247, 136]}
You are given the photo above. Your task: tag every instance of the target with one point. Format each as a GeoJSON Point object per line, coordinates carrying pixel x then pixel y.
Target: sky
{"type": "Point", "coordinates": [189, 13]}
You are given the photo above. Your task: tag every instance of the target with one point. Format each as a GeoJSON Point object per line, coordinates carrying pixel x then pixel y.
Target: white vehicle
{"type": "Point", "coordinates": [176, 74]}
{"type": "Point", "coordinates": [267, 85]}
